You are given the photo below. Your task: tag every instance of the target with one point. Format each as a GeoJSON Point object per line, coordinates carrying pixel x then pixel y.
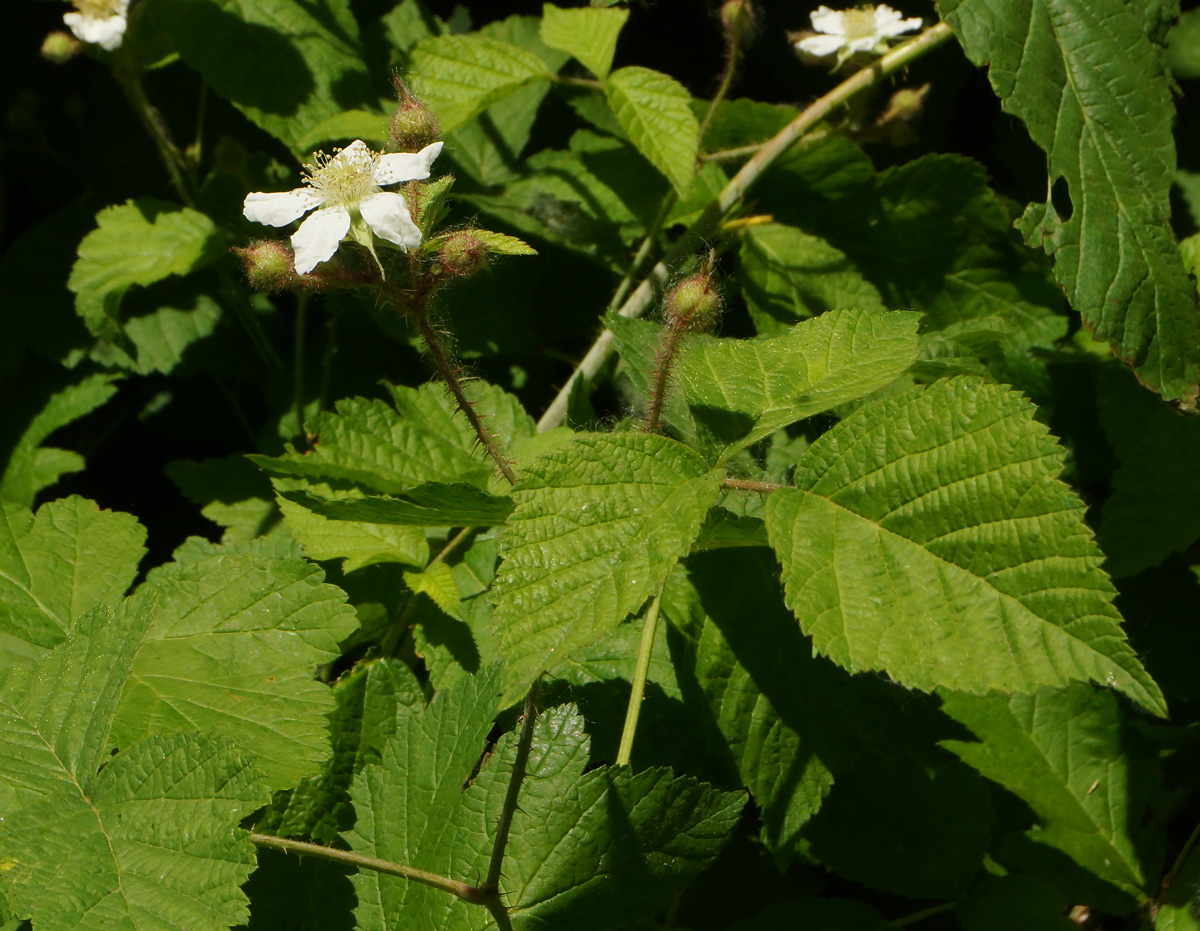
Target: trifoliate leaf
{"type": "Point", "coordinates": [1069, 755]}
{"type": "Point", "coordinates": [597, 527]}
{"type": "Point", "coordinates": [217, 659]}
{"type": "Point", "coordinates": [459, 76]}
{"type": "Point", "coordinates": [645, 835]}
{"type": "Point", "coordinates": [138, 243]}
{"type": "Point", "coordinates": [370, 700]}
{"type": "Point", "coordinates": [153, 838]}
{"type": "Point", "coordinates": [588, 33]}
{"type": "Point", "coordinates": [788, 276]}
{"type": "Point", "coordinates": [61, 563]}
{"type": "Point", "coordinates": [655, 111]}
{"type": "Point", "coordinates": [929, 536]}
{"type": "Point", "coordinates": [1091, 88]}
{"type": "Point", "coordinates": [32, 466]}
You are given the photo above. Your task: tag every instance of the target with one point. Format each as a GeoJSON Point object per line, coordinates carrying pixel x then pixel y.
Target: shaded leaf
{"type": "Point", "coordinates": [655, 111]}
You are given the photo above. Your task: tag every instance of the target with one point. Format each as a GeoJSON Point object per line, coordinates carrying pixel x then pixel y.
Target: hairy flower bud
{"type": "Point", "coordinates": [694, 304]}
{"type": "Point", "coordinates": [269, 265]}
{"type": "Point", "coordinates": [737, 19]}
{"type": "Point", "coordinates": [462, 254]}
{"type": "Point", "coordinates": [413, 126]}
{"type": "Point", "coordinates": [60, 47]}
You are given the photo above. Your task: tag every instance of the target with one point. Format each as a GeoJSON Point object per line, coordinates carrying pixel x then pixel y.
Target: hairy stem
{"type": "Point", "coordinates": [666, 356]}
{"type": "Point", "coordinates": [640, 300]}
{"type": "Point", "coordinates": [298, 366]}
{"type": "Point", "coordinates": [638, 690]}
{"type": "Point", "coordinates": [461, 890]}
{"type": "Point", "coordinates": [504, 826]}
{"type": "Point", "coordinates": [738, 484]}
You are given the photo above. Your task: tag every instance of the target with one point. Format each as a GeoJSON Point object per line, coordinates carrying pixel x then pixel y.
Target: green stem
{"type": "Point", "coordinates": [504, 826]}
{"type": "Point", "coordinates": [666, 356]}
{"type": "Point", "coordinates": [135, 93]}
{"type": "Point", "coordinates": [641, 298]}
{"type": "Point", "coordinates": [298, 366]}
{"type": "Point", "coordinates": [923, 914]}
{"type": "Point", "coordinates": [392, 641]}
{"type": "Point", "coordinates": [1173, 873]}
{"type": "Point", "coordinates": [635, 266]}
{"type": "Point", "coordinates": [461, 890]}
{"type": "Point", "coordinates": [731, 63]}
{"type": "Point", "coordinates": [645, 649]}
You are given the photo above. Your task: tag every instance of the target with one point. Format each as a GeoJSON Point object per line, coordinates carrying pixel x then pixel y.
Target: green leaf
{"type": "Point", "coordinates": [1090, 86]}
{"type": "Point", "coordinates": [428, 505]}
{"type": "Point", "coordinates": [1178, 912]}
{"type": "Point", "coordinates": [344, 128]}
{"type": "Point", "coordinates": [504, 245]}
{"type": "Point", "coordinates": [597, 527]}
{"type": "Point", "coordinates": [155, 834]}
{"type": "Point", "coordinates": [588, 33]}
{"type": "Point", "coordinates": [231, 493]}
{"type": "Point", "coordinates": [31, 466]}
{"type": "Point", "coordinates": [460, 76]}
{"type": "Point", "coordinates": [1069, 755]}
{"type": "Point", "coordinates": [218, 660]}
{"type": "Point", "coordinates": [356, 543]}
{"type": "Point", "coordinates": [655, 112]}
{"type": "Point", "coordinates": [61, 563]}
{"type": "Point", "coordinates": [370, 701]}
{"type": "Point", "coordinates": [1183, 46]}
{"type": "Point", "coordinates": [159, 341]}
{"type": "Point", "coordinates": [1005, 902]}
{"type": "Point", "coordinates": [843, 914]}
{"type": "Point", "coordinates": [643, 836]}
{"type": "Point", "coordinates": [285, 64]}
{"type": "Point", "coordinates": [137, 243]}
{"type": "Point", "coordinates": [788, 275]}
{"type": "Point", "coordinates": [929, 536]}
{"type": "Point", "coordinates": [437, 581]}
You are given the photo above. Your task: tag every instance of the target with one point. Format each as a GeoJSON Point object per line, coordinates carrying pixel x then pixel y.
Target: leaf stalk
{"type": "Point", "coordinates": [640, 673]}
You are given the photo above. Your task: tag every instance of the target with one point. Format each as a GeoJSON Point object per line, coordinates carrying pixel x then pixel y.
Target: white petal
{"type": "Point", "coordinates": [865, 44]}
{"type": "Point", "coordinates": [888, 22]}
{"type": "Point", "coordinates": [822, 45]}
{"type": "Point", "coordinates": [387, 215]}
{"type": "Point", "coordinates": [403, 166]}
{"type": "Point", "coordinates": [280, 207]}
{"type": "Point", "coordinates": [829, 21]}
{"type": "Point", "coordinates": [318, 237]}
{"type": "Point", "coordinates": [106, 32]}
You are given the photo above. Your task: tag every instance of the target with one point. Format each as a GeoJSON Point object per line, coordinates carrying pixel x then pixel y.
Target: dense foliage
{"type": "Point", "coordinates": [457, 474]}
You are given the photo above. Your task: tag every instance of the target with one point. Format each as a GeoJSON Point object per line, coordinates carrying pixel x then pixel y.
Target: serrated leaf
{"type": "Point", "coordinates": [588, 33]}
{"type": "Point", "coordinates": [437, 581]}
{"type": "Point", "coordinates": [460, 76]}
{"type": "Point", "coordinates": [138, 243]}
{"type": "Point", "coordinates": [357, 543]}
{"type": "Point", "coordinates": [153, 837]}
{"type": "Point", "coordinates": [428, 505]}
{"type": "Point", "coordinates": [929, 536]}
{"type": "Point", "coordinates": [217, 659]}
{"type": "Point", "coordinates": [344, 128]}
{"type": "Point", "coordinates": [788, 275]}
{"type": "Point", "coordinates": [61, 563]}
{"type": "Point", "coordinates": [504, 245]}
{"type": "Point", "coordinates": [31, 466]}
{"type": "Point", "coordinates": [1066, 754]}
{"type": "Point", "coordinates": [587, 850]}
{"type": "Point", "coordinates": [286, 65]}
{"type": "Point", "coordinates": [597, 527]}
{"type": "Point", "coordinates": [1090, 86]}
{"type": "Point", "coordinates": [655, 112]}
{"type": "Point", "coordinates": [159, 341]}
{"type": "Point", "coordinates": [370, 700]}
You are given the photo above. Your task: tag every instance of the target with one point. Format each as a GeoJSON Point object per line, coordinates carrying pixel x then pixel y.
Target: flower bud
{"type": "Point", "coordinates": [413, 126]}
{"type": "Point", "coordinates": [269, 265]}
{"type": "Point", "coordinates": [694, 304]}
{"type": "Point", "coordinates": [737, 18]}
{"type": "Point", "coordinates": [60, 47]}
{"type": "Point", "coordinates": [462, 254]}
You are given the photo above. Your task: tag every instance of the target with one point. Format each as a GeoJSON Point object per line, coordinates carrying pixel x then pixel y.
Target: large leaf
{"type": "Point", "coordinates": [288, 65]}
{"type": "Point", "coordinates": [588, 33]}
{"type": "Point", "coordinates": [460, 76]}
{"type": "Point", "coordinates": [642, 835]}
{"type": "Point", "coordinates": [596, 529]}
{"type": "Point", "coordinates": [655, 112]}
{"type": "Point", "coordinates": [1090, 85]}
{"type": "Point", "coordinates": [1068, 754]}
{"type": "Point", "coordinates": [234, 648]}
{"type": "Point", "coordinates": [138, 243]}
{"type": "Point", "coordinates": [60, 564]}
{"type": "Point", "coordinates": [929, 536]}
{"type": "Point", "coordinates": [32, 466]}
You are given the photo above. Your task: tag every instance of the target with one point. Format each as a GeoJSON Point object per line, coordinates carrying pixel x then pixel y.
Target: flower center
{"type": "Point", "coordinates": [98, 9]}
{"type": "Point", "coordinates": [344, 178]}
{"type": "Point", "coordinates": [859, 24]}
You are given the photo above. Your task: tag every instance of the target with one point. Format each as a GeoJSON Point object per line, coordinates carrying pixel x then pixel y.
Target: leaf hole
{"type": "Point", "coordinates": [1060, 197]}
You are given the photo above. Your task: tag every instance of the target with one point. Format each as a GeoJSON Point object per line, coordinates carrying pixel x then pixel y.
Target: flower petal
{"type": "Point", "coordinates": [888, 23]}
{"type": "Point", "coordinates": [821, 45]}
{"type": "Point", "coordinates": [387, 215]}
{"type": "Point", "coordinates": [829, 21]}
{"type": "Point", "coordinates": [864, 44]}
{"type": "Point", "coordinates": [281, 207]}
{"type": "Point", "coordinates": [319, 236]}
{"type": "Point", "coordinates": [106, 32]}
{"type": "Point", "coordinates": [404, 166]}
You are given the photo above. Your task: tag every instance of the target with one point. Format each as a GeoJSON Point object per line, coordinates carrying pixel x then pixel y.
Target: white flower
{"type": "Point", "coordinates": [346, 188]}
{"type": "Point", "coordinates": [848, 31]}
{"type": "Point", "coordinates": [101, 22]}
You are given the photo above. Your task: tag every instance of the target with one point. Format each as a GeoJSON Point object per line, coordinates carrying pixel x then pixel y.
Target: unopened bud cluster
{"type": "Point", "coordinates": [60, 47]}
{"type": "Point", "coordinates": [269, 264]}
{"type": "Point", "coordinates": [694, 304]}
{"type": "Point", "coordinates": [463, 253]}
{"type": "Point", "coordinates": [412, 126]}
